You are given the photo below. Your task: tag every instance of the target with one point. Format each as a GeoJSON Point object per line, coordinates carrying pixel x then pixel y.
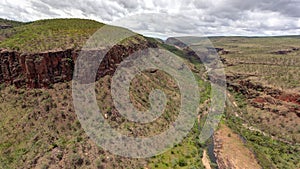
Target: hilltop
{"type": "Point", "coordinates": [50, 34]}
{"type": "Point", "coordinates": [43, 52]}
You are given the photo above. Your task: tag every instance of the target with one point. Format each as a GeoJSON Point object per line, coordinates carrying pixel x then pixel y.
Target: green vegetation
{"type": "Point", "coordinates": [188, 153]}
{"type": "Point", "coordinates": [271, 153]}
{"type": "Point", "coordinates": [51, 34]}
{"type": "Point", "coordinates": [32, 136]}
{"type": "Point", "coordinates": [173, 49]}
{"type": "Point", "coordinates": [10, 22]}
{"type": "Point", "coordinates": [185, 155]}
{"type": "Point", "coordinates": [39, 127]}
{"type": "Point", "coordinates": [56, 136]}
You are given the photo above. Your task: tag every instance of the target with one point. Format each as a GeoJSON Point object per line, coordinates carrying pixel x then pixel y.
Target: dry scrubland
{"type": "Point", "coordinates": [273, 61]}
{"type": "Point", "coordinates": [263, 77]}
{"type": "Point", "coordinates": [39, 127]}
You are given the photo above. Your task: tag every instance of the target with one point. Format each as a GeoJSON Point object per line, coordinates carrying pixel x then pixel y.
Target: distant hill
{"type": "Point", "coordinates": [7, 28]}
{"type": "Point", "coordinates": [6, 22]}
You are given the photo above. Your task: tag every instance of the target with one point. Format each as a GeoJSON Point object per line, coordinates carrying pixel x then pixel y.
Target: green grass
{"type": "Point", "coordinates": [184, 155]}
{"type": "Point", "coordinates": [51, 34]}
{"type": "Point", "coordinates": [54, 34]}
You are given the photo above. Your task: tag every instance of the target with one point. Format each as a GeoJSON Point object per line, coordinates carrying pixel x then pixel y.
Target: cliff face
{"type": "Point", "coordinates": [40, 70]}
{"type": "Point", "coordinates": [266, 98]}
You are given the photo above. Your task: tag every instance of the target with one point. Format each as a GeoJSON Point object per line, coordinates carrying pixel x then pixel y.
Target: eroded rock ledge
{"type": "Point", "coordinates": [265, 98]}
{"type": "Point", "coordinates": [40, 70]}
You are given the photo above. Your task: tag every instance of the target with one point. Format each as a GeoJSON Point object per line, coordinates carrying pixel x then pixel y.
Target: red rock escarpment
{"type": "Point", "coordinates": [261, 96]}
{"type": "Point", "coordinates": [43, 69]}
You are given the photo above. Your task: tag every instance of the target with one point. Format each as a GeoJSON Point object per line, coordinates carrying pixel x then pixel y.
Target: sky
{"type": "Point", "coordinates": [165, 18]}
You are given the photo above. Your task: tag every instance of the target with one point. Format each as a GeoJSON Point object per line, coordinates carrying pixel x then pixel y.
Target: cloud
{"type": "Point", "coordinates": [170, 17]}
{"type": "Point", "coordinates": [43, 8]}
{"type": "Point", "coordinates": [11, 11]}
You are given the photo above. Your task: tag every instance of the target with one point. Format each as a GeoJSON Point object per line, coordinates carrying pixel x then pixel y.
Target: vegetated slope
{"type": "Point", "coordinates": [7, 28]}
{"type": "Point", "coordinates": [265, 71]}
{"type": "Point", "coordinates": [231, 152]}
{"type": "Point", "coordinates": [6, 22]}
{"type": "Point", "coordinates": [263, 96]}
{"type": "Point", "coordinates": [39, 127]}
{"type": "Point", "coordinates": [41, 130]}
{"type": "Point", "coordinates": [263, 79]}
{"type": "Point", "coordinates": [51, 34]}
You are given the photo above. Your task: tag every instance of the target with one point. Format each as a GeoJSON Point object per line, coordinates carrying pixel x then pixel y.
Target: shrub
{"type": "Point", "coordinates": [76, 160]}
{"type": "Point", "coordinates": [182, 163]}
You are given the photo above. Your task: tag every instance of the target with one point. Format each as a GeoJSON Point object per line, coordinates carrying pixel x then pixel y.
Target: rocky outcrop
{"type": "Point", "coordinates": [5, 26]}
{"type": "Point", "coordinates": [40, 70]}
{"type": "Point", "coordinates": [285, 52]}
{"type": "Point", "coordinates": [264, 97]}
{"type": "Point", "coordinates": [230, 150]}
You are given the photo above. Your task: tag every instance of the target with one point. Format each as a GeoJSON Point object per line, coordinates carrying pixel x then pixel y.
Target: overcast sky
{"type": "Point", "coordinates": [164, 18]}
